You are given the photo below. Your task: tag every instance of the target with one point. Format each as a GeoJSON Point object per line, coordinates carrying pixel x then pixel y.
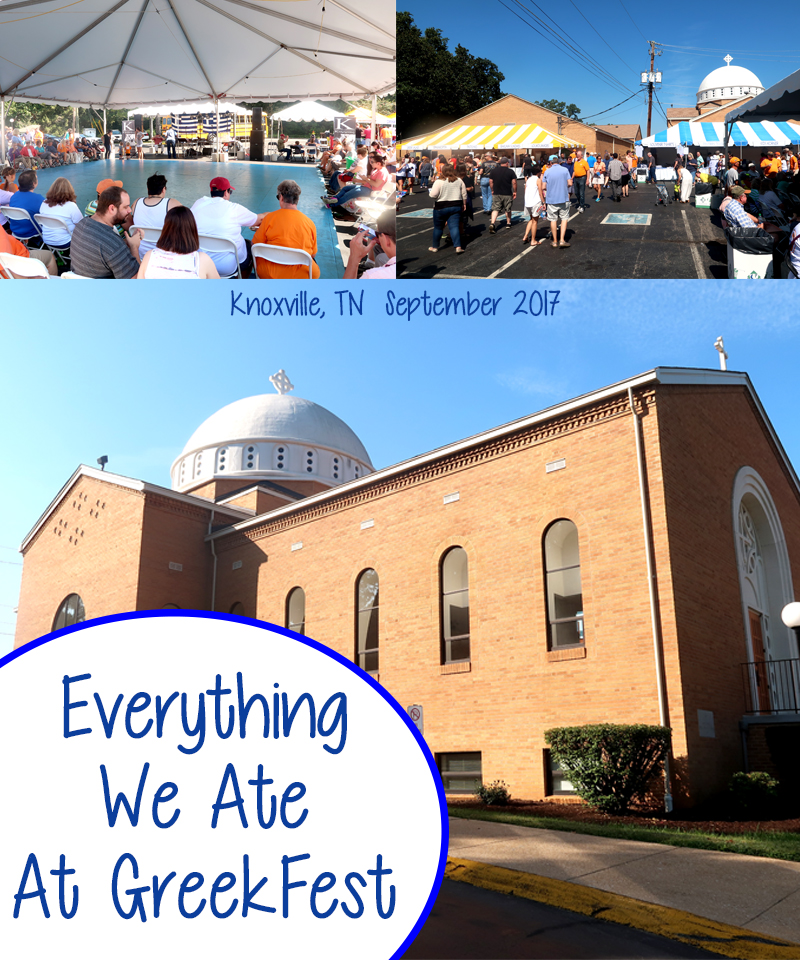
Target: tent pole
{"type": "Point", "coordinates": [373, 122]}
{"type": "Point", "coordinates": [726, 150]}
{"type": "Point", "coordinates": [3, 130]}
{"type": "Point", "coordinates": [219, 136]}
{"type": "Point", "coordinates": [105, 122]}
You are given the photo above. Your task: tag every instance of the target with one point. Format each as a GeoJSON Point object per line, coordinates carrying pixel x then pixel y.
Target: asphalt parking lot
{"type": "Point", "coordinates": [676, 241]}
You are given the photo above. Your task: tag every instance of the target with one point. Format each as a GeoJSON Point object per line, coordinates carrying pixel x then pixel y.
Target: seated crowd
{"type": "Point", "coordinates": [767, 198]}
{"type": "Point", "coordinates": [355, 173]}
{"type": "Point", "coordinates": [156, 236]}
{"type": "Point", "coordinates": [40, 151]}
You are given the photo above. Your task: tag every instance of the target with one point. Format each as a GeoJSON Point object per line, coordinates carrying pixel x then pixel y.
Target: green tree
{"type": "Point", "coordinates": [558, 106]}
{"type": "Point", "coordinates": [436, 85]}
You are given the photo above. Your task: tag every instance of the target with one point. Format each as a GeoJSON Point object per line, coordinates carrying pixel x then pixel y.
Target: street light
{"type": "Point", "coordinates": [791, 617]}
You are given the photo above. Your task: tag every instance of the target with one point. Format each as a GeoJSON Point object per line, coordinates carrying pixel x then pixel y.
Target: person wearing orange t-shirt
{"type": "Point", "coordinates": [774, 165]}
{"type": "Point", "coordinates": [287, 227]}
{"type": "Point", "coordinates": [580, 171]}
{"type": "Point", "coordinates": [9, 244]}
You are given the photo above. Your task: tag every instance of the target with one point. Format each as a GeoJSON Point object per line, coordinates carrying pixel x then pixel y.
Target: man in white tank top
{"type": "Point", "coordinates": [149, 211]}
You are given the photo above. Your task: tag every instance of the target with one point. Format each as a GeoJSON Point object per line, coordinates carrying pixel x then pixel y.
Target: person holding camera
{"type": "Point", "coordinates": [367, 243]}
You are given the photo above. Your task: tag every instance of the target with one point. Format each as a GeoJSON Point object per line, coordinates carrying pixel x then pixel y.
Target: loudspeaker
{"type": "Point", "coordinates": [137, 120]}
{"type": "Point", "coordinates": [258, 121]}
{"type": "Point", "coordinates": [257, 144]}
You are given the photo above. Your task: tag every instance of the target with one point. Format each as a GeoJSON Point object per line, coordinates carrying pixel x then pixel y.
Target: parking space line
{"type": "Point", "coordinates": [407, 236]}
{"type": "Point", "coordinates": [505, 266]}
{"type": "Point", "coordinates": [698, 264]}
{"type": "Point", "coordinates": [521, 255]}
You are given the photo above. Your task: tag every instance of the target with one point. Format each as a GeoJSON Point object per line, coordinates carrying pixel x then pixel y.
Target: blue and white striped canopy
{"type": "Point", "coordinates": [699, 134]}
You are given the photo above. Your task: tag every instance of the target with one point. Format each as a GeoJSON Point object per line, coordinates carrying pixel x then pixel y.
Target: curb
{"type": "Point", "coordinates": [734, 942]}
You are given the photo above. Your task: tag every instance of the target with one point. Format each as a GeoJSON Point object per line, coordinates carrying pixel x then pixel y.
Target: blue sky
{"type": "Point", "coordinates": [130, 370]}
{"type": "Point", "coordinates": [694, 42]}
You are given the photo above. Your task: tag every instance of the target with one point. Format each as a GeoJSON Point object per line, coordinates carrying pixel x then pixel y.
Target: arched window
{"type": "Point", "coordinates": [71, 611]}
{"type": "Point", "coordinates": [237, 609]}
{"type": "Point", "coordinates": [454, 579]}
{"type": "Point", "coordinates": [296, 610]}
{"type": "Point", "coordinates": [562, 566]}
{"type": "Point", "coordinates": [367, 621]}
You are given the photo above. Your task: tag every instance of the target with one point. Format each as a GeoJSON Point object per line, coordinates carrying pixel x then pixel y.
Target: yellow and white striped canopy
{"type": "Point", "coordinates": [520, 136]}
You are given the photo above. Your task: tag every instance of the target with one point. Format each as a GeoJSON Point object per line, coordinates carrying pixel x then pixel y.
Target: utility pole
{"type": "Point", "coordinates": [651, 79]}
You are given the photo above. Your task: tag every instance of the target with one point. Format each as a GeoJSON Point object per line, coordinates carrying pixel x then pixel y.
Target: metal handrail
{"type": "Point", "coordinates": [771, 686]}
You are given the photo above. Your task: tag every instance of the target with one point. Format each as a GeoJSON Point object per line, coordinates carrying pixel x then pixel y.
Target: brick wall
{"type": "Point", "coordinates": [707, 434]}
{"type": "Point", "coordinates": [513, 689]}
{"type": "Point", "coordinates": [89, 546]}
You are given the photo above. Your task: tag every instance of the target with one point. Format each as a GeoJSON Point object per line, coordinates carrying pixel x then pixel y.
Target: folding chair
{"type": "Point", "coordinates": [373, 207]}
{"type": "Point", "coordinates": [149, 234]}
{"type": "Point", "coordinates": [25, 267]}
{"type": "Point", "coordinates": [17, 213]}
{"type": "Point", "coordinates": [283, 255]}
{"type": "Point", "coordinates": [211, 245]}
{"type": "Point", "coordinates": [53, 223]}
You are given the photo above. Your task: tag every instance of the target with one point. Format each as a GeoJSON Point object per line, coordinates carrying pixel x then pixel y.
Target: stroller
{"type": "Point", "coordinates": [664, 195]}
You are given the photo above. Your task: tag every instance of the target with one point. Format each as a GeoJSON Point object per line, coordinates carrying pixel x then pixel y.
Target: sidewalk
{"type": "Point", "coordinates": [752, 893]}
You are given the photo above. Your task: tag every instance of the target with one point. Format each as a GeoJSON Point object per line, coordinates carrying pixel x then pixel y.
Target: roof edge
{"type": "Point", "coordinates": [128, 483]}
{"type": "Point", "coordinates": [681, 376]}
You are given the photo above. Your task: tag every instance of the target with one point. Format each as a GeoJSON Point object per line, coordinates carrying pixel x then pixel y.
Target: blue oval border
{"type": "Point", "coordinates": [321, 648]}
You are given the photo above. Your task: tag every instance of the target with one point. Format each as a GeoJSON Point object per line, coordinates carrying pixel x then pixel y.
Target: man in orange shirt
{"type": "Point", "coordinates": [579, 173]}
{"type": "Point", "coordinates": [287, 227]}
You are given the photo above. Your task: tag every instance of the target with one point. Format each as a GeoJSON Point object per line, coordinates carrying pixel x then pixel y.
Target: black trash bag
{"type": "Point", "coordinates": [700, 188]}
{"type": "Point", "coordinates": [751, 240]}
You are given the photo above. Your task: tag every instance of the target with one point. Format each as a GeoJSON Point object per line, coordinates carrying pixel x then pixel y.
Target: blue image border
{"type": "Point", "coordinates": [320, 648]}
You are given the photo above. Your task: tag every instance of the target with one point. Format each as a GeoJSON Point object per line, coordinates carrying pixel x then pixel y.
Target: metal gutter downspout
{"type": "Point", "coordinates": [651, 586]}
{"type": "Point", "coordinates": [214, 571]}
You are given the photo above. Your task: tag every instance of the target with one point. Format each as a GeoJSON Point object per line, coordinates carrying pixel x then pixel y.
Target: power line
{"type": "Point", "coordinates": [637, 94]}
{"type": "Point", "coordinates": [633, 21]}
{"type": "Point", "coordinates": [602, 37]}
{"type": "Point", "coordinates": [584, 62]}
{"type": "Point", "coordinates": [663, 111]}
{"type": "Point", "coordinates": [585, 52]}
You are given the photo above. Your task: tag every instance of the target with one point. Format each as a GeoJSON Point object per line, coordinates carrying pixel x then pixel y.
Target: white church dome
{"type": "Point", "coordinates": [729, 83]}
{"type": "Point", "coordinates": [272, 436]}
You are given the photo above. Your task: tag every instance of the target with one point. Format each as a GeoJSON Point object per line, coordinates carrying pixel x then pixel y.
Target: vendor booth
{"type": "Point", "coordinates": [504, 138]}
{"type": "Point", "coordinates": [756, 134]}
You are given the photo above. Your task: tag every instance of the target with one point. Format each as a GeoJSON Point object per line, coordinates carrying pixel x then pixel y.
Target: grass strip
{"type": "Point", "coordinates": [720, 938]}
{"type": "Point", "coordinates": [778, 846]}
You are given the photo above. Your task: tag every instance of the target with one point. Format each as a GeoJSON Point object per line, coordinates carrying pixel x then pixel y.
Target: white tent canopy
{"type": "Point", "coordinates": [780, 102]}
{"type": "Point", "coordinates": [306, 111]}
{"type": "Point", "coordinates": [121, 53]}
{"type": "Point", "coordinates": [167, 109]}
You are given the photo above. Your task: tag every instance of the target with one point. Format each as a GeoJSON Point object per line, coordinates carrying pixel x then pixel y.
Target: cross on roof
{"type": "Point", "coordinates": [728, 59]}
{"type": "Point", "coordinates": [281, 382]}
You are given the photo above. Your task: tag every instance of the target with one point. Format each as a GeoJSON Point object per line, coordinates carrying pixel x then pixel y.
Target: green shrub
{"type": "Point", "coordinates": [610, 764]}
{"type": "Point", "coordinates": [494, 794]}
{"type": "Point", "coordinates": [753, 795]}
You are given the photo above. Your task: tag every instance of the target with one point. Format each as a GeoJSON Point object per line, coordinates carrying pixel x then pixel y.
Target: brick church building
{"type": "Point", "coordinates": [623, 556]}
